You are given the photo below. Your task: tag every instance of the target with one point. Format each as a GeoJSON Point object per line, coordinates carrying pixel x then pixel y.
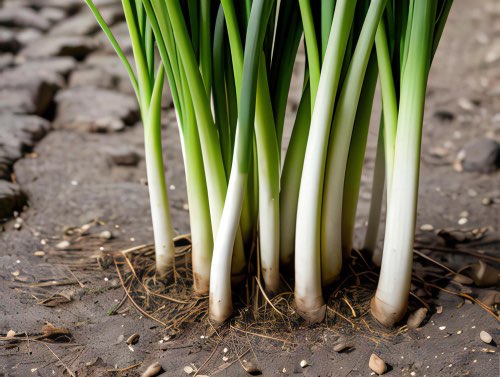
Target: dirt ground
{"type": "Point", "coordinates": [70, 181]}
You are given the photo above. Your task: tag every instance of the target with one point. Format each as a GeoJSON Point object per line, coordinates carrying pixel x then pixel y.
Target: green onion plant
{"type": "Point", "coordinates": [254, 208]}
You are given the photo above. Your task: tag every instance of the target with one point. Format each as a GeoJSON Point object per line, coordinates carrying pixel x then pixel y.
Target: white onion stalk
{"type": "Point", "coordinates": [308, 293]}
{"type": "Point", "coordinates": [163, 232]}
{"type": "Point", "coordinates": [338, 149]}
{"type": "Point", "coordinates": [220, 300]}
{"type": "Point", "coordinates": [391, 299]}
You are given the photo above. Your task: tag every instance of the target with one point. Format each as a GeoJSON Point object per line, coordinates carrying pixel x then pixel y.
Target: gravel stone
{"type": "Point", "coordinates": [11, 198]}
{"type": "Point", "coordinates": [480, 155]}
{"type": "Point", "coordinates": [94, 110]}
{"type": "Point", "coordinates": [59, 45]}
{"type": "Point", "coordinates": [22, 17]}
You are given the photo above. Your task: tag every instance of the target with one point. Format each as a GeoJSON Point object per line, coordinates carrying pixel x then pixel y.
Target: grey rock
{"type": "Point", "coordinates": [94, 110]}
{"type": "Point", "coordinates": [6, 60]}
{"type": "Point", "coordinates": [18, 135]}
{"type": "Point", "coordinates": [11, 198]}
{"type": "Point", "coordinates": [112, 67]}
{"type": "Point", "coordinates": [52, 14]}
{"type": "Point", "coordinates": [59, 65]}
{"type": "Point", "coordinates": [22, 17]}
{"type": "Point", "coordinates": [8, 40]}
{"type": "Point", "coordinates": [124, 156]}
{"type": "Point", "coordinates": [444, 115]}
{"type": "Point", "coordinates": [480, 155]}
{"type": "Point", "coordinates": [91, 77]}
{"type": "Point", "coordinates": [75, 46]}
{"type": "Point", "coordinates": [19, 101]}
{"type": "Point", "coordinates": [27, 36]}
{"type": "Point", "coordinates": [69, 6]}
{"type": "Point", "coordinates": [84, 23]}
{"type": "Point", "coordinates": [29, 128]}
{"type": "Point", "coordinates": [32, 90]}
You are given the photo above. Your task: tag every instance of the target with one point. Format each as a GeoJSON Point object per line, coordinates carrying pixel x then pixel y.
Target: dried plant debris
{"type": "Point", "coordinates": [453, 237]}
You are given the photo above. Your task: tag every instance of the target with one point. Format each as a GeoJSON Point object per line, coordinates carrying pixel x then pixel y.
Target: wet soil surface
{"type": "Point", "coordinates": [76, 176]}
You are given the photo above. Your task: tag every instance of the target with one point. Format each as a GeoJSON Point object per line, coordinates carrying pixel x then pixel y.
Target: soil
{"type": "Point", "coordinates": [70, 181]}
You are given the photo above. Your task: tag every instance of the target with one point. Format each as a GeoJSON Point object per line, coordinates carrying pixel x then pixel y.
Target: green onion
{"type": "Point", "coordinates": [229, 65]}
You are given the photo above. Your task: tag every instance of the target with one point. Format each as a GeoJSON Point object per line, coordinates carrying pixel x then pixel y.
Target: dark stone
{"type": "Point", "coordinates": [92, 77]}
{"type": "Point", "coordinates": [444, 115]}
{"type": "Point", "coordinates": [69, 6]}
{"type": "Point", "coordinates": [11, 198]}
{"type": "Point", "coordinates": [60, 45]}
{"type": "Point", "coordinates": [29, 128]}
{"type": "Point", "coordinates": [23, 18]}
{"type": "Point", "coordinates": [6, 60]}
{"type": "Point", "coordinates": [480, 155]}
{"type": "Point", "coordinates": [8, 41]}
{"type": "Point", "coordinates": [124, 156]}
{"type": "Point", "coordinates": [19, 101]}
{"type": "Point", "coordinates": [19, 134]}
{"type": "Point", "coordinates": [31, 90]}
{"type": "Point", "coordinates": [27, 36]}
{"type": "Point", "coordinates": [94, 110]}
{"type": "Point", "coordinates": [112, 71]}
{"type": "Point", "coordinates": [59, 65]}
{"type": "Point", "coordinates": [52, 14]}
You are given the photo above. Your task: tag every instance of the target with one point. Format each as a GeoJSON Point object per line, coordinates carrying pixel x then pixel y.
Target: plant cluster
{"type": "Point", "coordinates": [229, 66]}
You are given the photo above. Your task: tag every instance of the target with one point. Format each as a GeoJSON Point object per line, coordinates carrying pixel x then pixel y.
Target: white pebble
{"type": "Point", "coordinates": [377, 364]}
{"type": "Point", "coordinates": [427, 227]}
{"type": "Point", "coordinates": [485, 337]}
{"type": "Point", "coordinates": [303, 363]}
{"type": "Point", "coordinates": [442, 328]}
{"type": "Point", "coordinates": [462, 221]}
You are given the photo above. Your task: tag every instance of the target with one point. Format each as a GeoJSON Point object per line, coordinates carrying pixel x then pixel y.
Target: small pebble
{"type": "Point", "coordinates": [251, 368]}
{"type": "Point", "coordinates": [39, 253]}
{"type": "Point", "coordinates": [63, 245]}
{"type": "Point", "coordinates": [225, 350]}
{"type": "Point", "coordinates": [472, 193]}
{"type": "Point", "coordinates": [340, 347]}
{"type": "Point", "coordinates": [442, 328]}
{"type": "Point", "coordinates": [377, 364]}
{"type": "Point", "coordinates": [427, 227]}
{"type": "Point", "coordinates": [225, 358]}
{"type": "Point", "coordinates": [459, 332]}
{"type": "Point", "coordinates": [303, 363]}
{"type": "Point", "coordinates": [439, 309]}
{"type": "Point", "coordinates": [462, 221]}
{"type": "Point", "coordinates": [416, 318]}
{"type": "Point", "coordinates": [18, 226]}
{"type": "Point", "coordinates": [105, 235]}
{"type": "Point", "coordinates": [485, 337]}
{"type": "Point", "coordinates": [486, 201]}
{"type": "Point", "coordinates": [153, 370]}
{"type": "Point", "coordinates": [10, 334]}
{"type": "Point", "coordinates": [133, 339]}
{"type": "Point", "coordinates": [188, 369]}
